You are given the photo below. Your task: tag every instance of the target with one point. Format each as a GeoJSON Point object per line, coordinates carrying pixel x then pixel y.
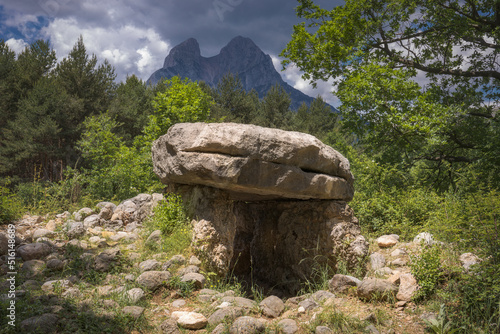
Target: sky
{"type": "Point", "coordinates": [136, 36]}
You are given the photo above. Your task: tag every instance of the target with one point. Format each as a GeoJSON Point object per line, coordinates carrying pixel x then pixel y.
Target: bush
{"type": "Point", "coordinates": [169, 216]}
{"type": "Point", "coordinates": [10, 206]}
{"type": "Point", "coordinates": [425, 267]}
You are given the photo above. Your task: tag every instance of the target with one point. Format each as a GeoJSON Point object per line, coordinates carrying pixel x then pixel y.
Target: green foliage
{"type": "Point", "coordinates": [183, 101]}
{"type": "Point", "coordinates": [337, 321]}
{"type": "Point", "coordinates": [118, 171]}
{"type": "Point", "coordinates": [169, 216]}
{"type": "Point", "coordinates": [441, 325]}
{"type": "Point", "coordinates": [425, 267]}
{"type": "Point", "coordinates": [10, 206]}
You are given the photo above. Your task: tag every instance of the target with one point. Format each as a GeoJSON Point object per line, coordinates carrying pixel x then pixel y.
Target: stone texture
{"type": "Point", "coordinates": [169, 326]}
{"type": "Point", "coordinates": [154, 237]}
{"type": "Point", "coordinates": [75, 230]}
{"type": "Point", "coordinates": [135, 294]}
{"type": "Point", "coordinates": [32, 268]}
{"type": "Point", "coordinates": [247, 325]}
{"type": "Point", "coordinates": [34, 251]}
{"type": "Point", "coordinates": [106, 259]}
{"type": "Point", "coordinates": [42, 232]}
{"type": "Point", "coordinates": [424, 237]}
{"type": "Point", "coordinates": [274, 234]}
{"type": "Point", "coordinates": [386, 241]}
{"type": "Point", "coordinates": [50, 286]}
{"type": "Point", "coordinates": [272, 306]}
{"type": "Point", "coordinates": [288, 326]}
{"type": "Point", "coordinates": [198, 280]}
{"type": "Point", "coordinates": [407, 287]}
{"type": "Point", "coordinates": [190, 320]}
{"type": "Point", "coordinates": [252, 161]}
{"type": "Point", "coordinates": [153, 279]}
{"type": "Point", "coordinates": [377, 261]}
{"type": "Point", "coordinates": [342, 283]}
{"type": "Point", "coordinates": [378, 289]}
{"type": "Point", "coordinates": [227, 313]}
{"type": "Point", "coordinates": [149, 265]}
{"type": "Point", "coordinates": [134, 311]}
{"type": "Point", "coordinates": [45, 323]}
{"type": "Point", "coordinates": [323, 330]}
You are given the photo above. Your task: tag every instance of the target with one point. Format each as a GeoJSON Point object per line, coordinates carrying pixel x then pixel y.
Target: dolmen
{"type": "Point", "coordinates": [266, 203]}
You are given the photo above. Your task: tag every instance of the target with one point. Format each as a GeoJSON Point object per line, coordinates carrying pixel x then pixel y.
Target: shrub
{"type": "Point", "coordinates": [425, 267]}
{"type": "Point", "coordinates": [10, 206]}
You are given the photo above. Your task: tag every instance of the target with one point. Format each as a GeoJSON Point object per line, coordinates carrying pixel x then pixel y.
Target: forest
{"type": "Point", "coordinates": [418, 83]}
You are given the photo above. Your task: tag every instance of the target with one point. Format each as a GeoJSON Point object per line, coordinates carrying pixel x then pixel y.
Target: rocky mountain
{"type": "Point", "coordinates": [240, 57]}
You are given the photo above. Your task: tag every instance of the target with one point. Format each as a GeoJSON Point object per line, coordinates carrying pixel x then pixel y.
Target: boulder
{"type": "Point", "coordinates": [252, 161]}
{"type": "Point", "coordinates": [226, 313]}
{"type": "Point", "coordinates": [34, 251]}
{"type": "Point", "coordinates": [341, 283]}
{"type": "Point", "coordinates": [288, 326]}
{"type": "Point", "coordinates": [386, 241]}
{"type": "Point", "coordinates": [153, 279]}
{"type": "Point", "coordinates": [407, 287]}
{"type": "Point", "coordinates": [272, 306]}
{"type": "Point", "coordinates": [45, 323]}
{"type": "Point", "coordinates": [75, 230]}
{"type": "Point", "coordinates": [133, 311]}
{"type": "Point", "coordinates": [377, 261]}
{"type": "Point", "coordinates": [468, 260]}
{"type": "Point", "coordinates": [190, 320]}
{"type": "Point", "coordinates": [247, 325]}
{"type": "Point", "coordinates": [378, 289]}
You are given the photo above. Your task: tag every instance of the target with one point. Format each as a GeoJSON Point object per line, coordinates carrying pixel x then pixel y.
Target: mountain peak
{"type": "Point", "coordinates": [241, 57]}
{"type": "Point", "coordinates": [189, 49]}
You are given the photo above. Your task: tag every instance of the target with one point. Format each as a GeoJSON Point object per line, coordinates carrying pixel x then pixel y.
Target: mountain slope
{"type": "Point", "coordinates": [240, 57]}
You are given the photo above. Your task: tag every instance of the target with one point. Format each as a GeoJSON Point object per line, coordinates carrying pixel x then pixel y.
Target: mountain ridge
{"type": "Point", "coordinates": [240, 57]}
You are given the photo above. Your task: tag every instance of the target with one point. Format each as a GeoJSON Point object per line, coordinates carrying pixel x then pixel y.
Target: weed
{"type": "Point", "coordinates": [425, 268]}
{"type": "Point", "coordinates": [441, 325]}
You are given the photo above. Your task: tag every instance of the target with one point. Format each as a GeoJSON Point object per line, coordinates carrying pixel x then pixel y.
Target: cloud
{"type": "Point", "coordinates": [130, 49]}
{"type": "Point", "coordinates": [16, 45]}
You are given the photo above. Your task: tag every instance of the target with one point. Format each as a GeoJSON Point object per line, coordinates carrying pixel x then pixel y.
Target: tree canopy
{"type": "Point", "coordinates": [418, 80]}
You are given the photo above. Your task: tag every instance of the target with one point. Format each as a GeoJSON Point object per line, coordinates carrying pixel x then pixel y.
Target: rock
{"type": "Point", "coordinates": [198, 280]}
{"type": "Point", "coordinates": [288, 326]}
{"type": "Point", "coordinates": [398, 252]}
{"type": "Point", "coordinates": [377, 261]}
{"type": "Point", "coordinates": [51, 286]}
{"type": "Point", "coordinates": [31, 285]}
{"type": "Point", "coordinates": [399, 262]}
{"type": "Point", "coordinates": [371, 329]}
{"type": "Point", "coordinates": [378, 289]}
{"type": "Point", "coordinates": [134, 311]}
{"type": "Point", "coordinates": [32, 268]}
{"type": "Point", "coordinates": [42, 232]}
{"type": "Point", "coordinates": [468, 260]}
{"type": "Point", "coordinates": [107, 210]}
{"type": "Point", "coordinates": [154, 237]}
{"type": "Point", "coordinates": [52, 225]}
{"type": "Point", "coordinates": [407, 287]}
{"type": "Point", "coordinates": [272, 306]}
{"type": "Point", "coordinates": [240, 302]}
{"type": "Point", "coordinates": [75, 230]}
{"type": "Point", "coordinates": [190, 320]}
{"type": "Point", "coordinates": [322, 295]}
{"type": "Point", "coordinates": [395, 278]}
{"type": "Point", "coordinates": [247, 325]}
{"type": "Point", "coordinates": [424, 237]}
{"type": "Point", "coordinates": [153, 279]}
{"type": "Point", "coordinates": [274, 235]}
{"type": "Point", "coordinates": [55, 264]}
{"type": "Point", "coordinates": [34, 251]}
{"type": "Point", "coordinates": [82, 214]}
{"type": "Point", "coordinates": [341, 283]}
{"type": "Point", "coordinates": [253, 161]}
{"type": "Point", "coordinates": [4, 244]}
{"type": "Point", "coordinates": [91, 221]}
{"type": "Point", "coordinates": [323, 330]}
{"type": "Point", "coordinates": [193, 260]}
{"type": "Point", "coordinates": [383, 271]}
{"type": "Point", "coordinates": [169, 326]}
{"type": "Point", "coordinates": [108, 303]}
{"type": "Point", "coordinates": [386, 241]}
{"type": "Point", "coordinates": [178, 303]}
{"type": "Point", "coordinates": [135, 294]}
{"type": "Point", "coordinates": [149, 265]}
{"type": "Point", "coordinates": [308, 304]}
{"type": "Point", "coordinates": [188, 270]}
{"type": "Point", "coordinates": [106, 259]}
{"type": "Point", "coordinates": [45, 323]}
{"type": "Point", "coordinates": [227, 313]}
